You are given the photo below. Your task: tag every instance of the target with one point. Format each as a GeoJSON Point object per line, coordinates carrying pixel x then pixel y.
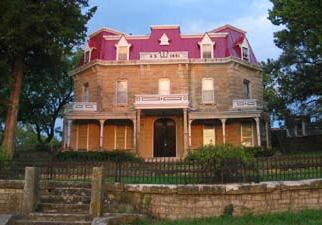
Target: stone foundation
{"type": "Point", "coordinates": [11, 196]}
{"type": "Point", "coordinates": [195, 201]}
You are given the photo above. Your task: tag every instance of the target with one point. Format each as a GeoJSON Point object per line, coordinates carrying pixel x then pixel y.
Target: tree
{"type": "Point", "coordinates": [44, 95]}
{"type": "Point", "coordinates": [30, 30]}
{"type": "Point", "coordinates": [298, 71]}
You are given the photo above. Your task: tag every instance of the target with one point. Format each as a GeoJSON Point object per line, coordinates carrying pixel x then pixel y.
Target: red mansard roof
{"type": "Point", "coordinates": [227, 41]}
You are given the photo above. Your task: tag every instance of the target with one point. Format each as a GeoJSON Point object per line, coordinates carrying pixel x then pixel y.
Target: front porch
{"type": "Point", "coordinates": [151, 133]}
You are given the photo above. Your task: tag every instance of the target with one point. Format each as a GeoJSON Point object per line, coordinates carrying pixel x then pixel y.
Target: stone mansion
{"type": "Point", "coordinates": [161, 94]}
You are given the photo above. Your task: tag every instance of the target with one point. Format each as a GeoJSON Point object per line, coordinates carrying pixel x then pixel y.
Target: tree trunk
{"type": "Point", "coordinates": [13, 107]}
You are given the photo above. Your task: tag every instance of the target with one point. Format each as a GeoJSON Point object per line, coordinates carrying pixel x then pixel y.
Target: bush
{"type": "Point", "coordinates": [115, 156]}
{"type": "Point", "coordinates": [220, 152]}
{"type": "Point", "coordinates": [261, 152]}
{"type": "Point", "coordinates": [3, 153]}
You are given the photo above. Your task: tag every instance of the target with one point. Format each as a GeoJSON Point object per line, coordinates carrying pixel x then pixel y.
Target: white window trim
{"type": "Point", "coordinates": [244, 44]}
{"type": "Point", "coordinates": [164, 78]}
{"type": "Point", "coordinates": [202, 90]}
{"type": "Point", "coordinates": [206, 40]}
{"type": "Point", "coordinates": [87, 49]}
{"type": "Point", "coordinates": [241, 133]}
{"type": "Point", "coordinates": [127, 92]}
{"type": "Point", "coordinates": [123, 43]}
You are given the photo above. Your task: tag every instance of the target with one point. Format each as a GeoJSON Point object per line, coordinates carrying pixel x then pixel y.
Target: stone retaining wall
{"type": "Point", "coordinates": [195, 201]}
{"type": "Point", "coordinates": [11, 196]}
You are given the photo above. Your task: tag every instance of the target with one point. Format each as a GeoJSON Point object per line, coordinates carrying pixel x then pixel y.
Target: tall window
{"type": "Point", "coordinates": [164, 86]}
{"type": "Point", "coordinates": [245, 53]}
{"type": "Point", "coordinates": [86, 56]}
{"type": "Point", "coordinates": [122, 53]}
{"type": "Point", "coordinates": [208, 90]}
{"type": "Point", "coordinates": [206, 51]}
{"type": "Point", "coordinates": [247, 136]}
{"type": "Point", "coordinates": [121, 92]}
{"type": "Point", "coordinates": [246, 89]}
{"type": "Point", "coordinates": [86, 92]}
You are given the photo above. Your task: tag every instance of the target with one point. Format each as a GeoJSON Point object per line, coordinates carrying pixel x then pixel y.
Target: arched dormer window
{"type": "Point", "coordinates": [244, 50]}
{"type": "Point", "coordinates": [87, 53]}
{"type": "Point", "coordinates": [206, 47]}
{"type": "Point", "coordinates": [122, 49]}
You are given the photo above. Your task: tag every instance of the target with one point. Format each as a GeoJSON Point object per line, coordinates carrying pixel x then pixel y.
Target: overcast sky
{"type": "Point", "coordinates": [194, 16]}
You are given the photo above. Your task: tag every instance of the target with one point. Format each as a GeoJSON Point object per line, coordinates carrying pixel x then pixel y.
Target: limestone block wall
{"type": "Point", "coordinates": [11, 196]}
{"type": "Point", "coordinates": [195, 201]}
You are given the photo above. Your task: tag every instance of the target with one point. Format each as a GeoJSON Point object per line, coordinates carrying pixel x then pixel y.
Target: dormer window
{"type": "Point", "coordinates": [87, 54]}
{"type": "Point", "coordinates": [206, 47]}
{"type": "Point", "coordinates": [164, 40]}
{"type": "Point", "coordinates": [122, 49]}
{"type": "Point", "coordinates": [244, 48]}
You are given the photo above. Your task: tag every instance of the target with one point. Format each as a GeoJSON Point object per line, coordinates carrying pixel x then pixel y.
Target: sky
{"type": "Point", "coordinates": [193, 16]}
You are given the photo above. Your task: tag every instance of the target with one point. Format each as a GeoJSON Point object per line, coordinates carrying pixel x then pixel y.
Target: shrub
{"type": "Point", "coordinates": [3, 153]}
{"type": "Point", "coordinates": [221, 152]}
{"type": "Point", "coordinates": [261, 152]}
{"type": "Point", "coordinates": [115, 156]}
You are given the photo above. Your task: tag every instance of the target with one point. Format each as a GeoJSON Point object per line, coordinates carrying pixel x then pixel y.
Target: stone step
{"type": "Point", "coordinates": [58, 217]}
{"type": "Point", "coordinates": [35, 222]}
{"type": "Point", "coordinates": [117, 207]}
{"type": "Point", "coordinates": [119, 218]}
{"type": "Point", "coordinates": [63, 208]}
{"type": "Point", "coordinates": [69, 199]}
{"type": "Point", "coordinates": [66, 191]}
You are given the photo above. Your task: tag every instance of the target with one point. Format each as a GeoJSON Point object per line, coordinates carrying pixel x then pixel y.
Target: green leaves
{"type": "Point", "coordinates": [297, 74]}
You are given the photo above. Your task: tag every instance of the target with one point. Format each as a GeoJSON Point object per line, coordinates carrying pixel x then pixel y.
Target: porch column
{"type": "Point", "coordinates": [268, 143]}
{"type": "Point", "coordinates": [303, 128]}
{"type": "Point", "coordinates": [134, 134]}
{"type": "Point", "coordinates": [223, 125]}
{"type": "Point", "coordinates": [101, 133]}
{"type": "Point", "coordinates": [258, 131]}
{"type": "Point", "coordinates": [69, 129]}
{"type": "Point", "coordinates": [138, 130]}
{"type": "Point", "coordinates": [189, 133]}
{"type": "Point", "coordinates": [185, 131]}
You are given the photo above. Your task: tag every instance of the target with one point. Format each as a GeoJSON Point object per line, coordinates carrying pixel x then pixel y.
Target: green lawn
{"type": "Point", "coordinates": [309, 217]}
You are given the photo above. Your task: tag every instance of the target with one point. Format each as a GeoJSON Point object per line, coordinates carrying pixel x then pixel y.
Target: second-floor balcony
{"type": "Point", "coordinates": [246, 104]}
{"type": "Point", "coordinates": [170, 101]}
{"type": "Point", "coordinates": [81, 107]}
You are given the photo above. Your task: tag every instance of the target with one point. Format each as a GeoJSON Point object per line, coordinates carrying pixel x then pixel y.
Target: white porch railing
{"type": "Point", "coordinates": [161, 101]}
{"type": "Point", "coordinates": [81, 106]}
{"type": "Point", "coordinates": [247, 104]}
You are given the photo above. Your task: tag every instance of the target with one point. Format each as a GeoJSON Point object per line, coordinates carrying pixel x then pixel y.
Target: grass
{"type": "Point", "coordinates": [308, 217]}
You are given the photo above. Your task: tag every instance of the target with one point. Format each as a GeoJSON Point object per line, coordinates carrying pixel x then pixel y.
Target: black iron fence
{"type": "Point", "coordinates": [171, 171]}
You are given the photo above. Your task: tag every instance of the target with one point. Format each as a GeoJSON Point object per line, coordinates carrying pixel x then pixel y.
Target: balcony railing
{"type": "Point", "coordinates": [247, 104]}
{"type": "Point", "coordinates": [81, 106]}
{"type": "Point", "coordinates": [161, 101]}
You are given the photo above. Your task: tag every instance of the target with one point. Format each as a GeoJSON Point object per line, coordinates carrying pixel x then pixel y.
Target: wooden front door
{"type": "Point", "coordinates": [164, 138]}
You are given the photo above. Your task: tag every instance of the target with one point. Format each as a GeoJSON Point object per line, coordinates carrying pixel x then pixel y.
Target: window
{"type": "Point", "coordinates": [206, 47]}
{"type": "Point", "coordinates": [247, 138]}
{"type": "Point", "coordinates": [245, 53]}
{"type": "Point", "coordinates": [121, 95]}
{"type": "Point", "coordinates": [122, 49]}
{"type": "Point", "coordinates": [208, 90]}
{"type": "Point", "coordinates": [86, 92]}
{"type": "Point", "coordinates": [86, 56]}
{"type": "Point", "coordinates": [246, 89]}
{"type": "Point", "coordinates": [206, 51]}
{"type": "Point", "coordinates": [122, 53]}
{"type": "Point", "coordinates": [164, 86]}
{"type": "Point", "coordinates": [208, 135]}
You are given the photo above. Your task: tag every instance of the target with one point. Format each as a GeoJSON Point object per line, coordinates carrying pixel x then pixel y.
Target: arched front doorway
{"type": "Point", "coordinates": [164, 138]}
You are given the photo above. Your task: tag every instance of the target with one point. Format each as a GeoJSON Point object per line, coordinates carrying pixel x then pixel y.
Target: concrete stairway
{"type": "Point", "coordinates": [60, 206]}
